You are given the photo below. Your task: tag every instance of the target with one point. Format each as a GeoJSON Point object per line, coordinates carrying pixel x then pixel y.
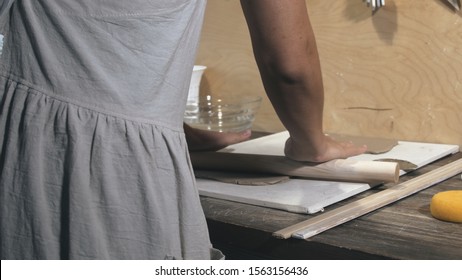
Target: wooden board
{"type": "Point", "coordinates": [306, 195]}
{"type": "Point", "coordinates": [394, 73]}
{"type": "Point", "coordinates": [401, 230]}
{"type": "Point", "coordinates": [295, 195]}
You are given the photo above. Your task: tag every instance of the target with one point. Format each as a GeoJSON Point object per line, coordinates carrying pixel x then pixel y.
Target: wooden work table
{"type": "Point", "coordinates": [402, 230]}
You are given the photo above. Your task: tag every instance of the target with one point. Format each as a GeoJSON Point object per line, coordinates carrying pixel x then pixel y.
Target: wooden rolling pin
{"type": "Point", "coordinates": [348, 170]}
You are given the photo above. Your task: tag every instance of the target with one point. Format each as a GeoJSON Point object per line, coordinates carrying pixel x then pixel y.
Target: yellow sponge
{"type": "Point", "coordinates": [447, 206]}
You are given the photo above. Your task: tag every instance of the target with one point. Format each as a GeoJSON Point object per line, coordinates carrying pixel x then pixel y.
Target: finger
{"type": "Point", "coordinates": [229, 138]}
{"type": "Point", "coordinates": [355, 150]}
{"type": "Point", "coordinates": [213, 140]}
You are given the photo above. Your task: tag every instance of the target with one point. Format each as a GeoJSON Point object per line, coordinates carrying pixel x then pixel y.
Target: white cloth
{"type": "Point", "coordinates": [94, 163]}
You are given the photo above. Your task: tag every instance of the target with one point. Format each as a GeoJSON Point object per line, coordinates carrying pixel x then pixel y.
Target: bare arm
{"type": "Point", "coordinates": [285, 50]}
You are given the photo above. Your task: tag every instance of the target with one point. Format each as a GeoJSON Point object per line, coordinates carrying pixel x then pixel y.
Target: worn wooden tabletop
{"type": "Point", "coordinates": [402, 230]}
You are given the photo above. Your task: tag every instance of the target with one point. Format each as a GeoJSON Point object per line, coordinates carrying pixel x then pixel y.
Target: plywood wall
{"type": "Point", "coordinates": [396, 73]}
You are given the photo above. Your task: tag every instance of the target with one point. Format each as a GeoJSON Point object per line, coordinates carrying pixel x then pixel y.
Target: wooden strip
{"type": "Point", "coordinates": [368, 204]}
{"type": "Point", "coordinates": [338, 170]}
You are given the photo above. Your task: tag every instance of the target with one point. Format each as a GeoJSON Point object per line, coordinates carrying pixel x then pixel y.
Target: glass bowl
{"type": "Point", "coordinates": [223, 114]}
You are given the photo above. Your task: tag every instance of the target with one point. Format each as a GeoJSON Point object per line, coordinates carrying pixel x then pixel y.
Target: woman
{"type": "Point", "coordinates": [94, 156]}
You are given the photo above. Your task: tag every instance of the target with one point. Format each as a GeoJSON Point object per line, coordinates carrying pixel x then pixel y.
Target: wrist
{"type": "Point", "coordinates": [311, 148]}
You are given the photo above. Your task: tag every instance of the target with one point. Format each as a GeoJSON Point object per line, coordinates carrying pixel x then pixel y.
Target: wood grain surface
{"type": "Point", "coordinates": [368, 204]}
{"type": "Point", "coordinates": [402, 230]}
{"type": "Point", "coordinates": [395, 73]}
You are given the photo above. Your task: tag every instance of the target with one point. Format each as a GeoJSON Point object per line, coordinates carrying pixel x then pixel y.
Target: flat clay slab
{"type": "Point", "coordinates": [240, 178]}
{"type": "Point", "coordinates": [374, 145]}
{"type": "Point", "coordinates": [275, 144]}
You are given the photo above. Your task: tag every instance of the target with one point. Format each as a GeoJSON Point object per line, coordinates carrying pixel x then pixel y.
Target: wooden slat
{"type": "Point", "coordinates": [373, 202]}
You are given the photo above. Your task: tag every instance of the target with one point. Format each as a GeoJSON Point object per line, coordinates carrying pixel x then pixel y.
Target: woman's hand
{"type": "Point", "coordinates": [327, 150]}
{"type": "Point", "coordinates": [205, 140]}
